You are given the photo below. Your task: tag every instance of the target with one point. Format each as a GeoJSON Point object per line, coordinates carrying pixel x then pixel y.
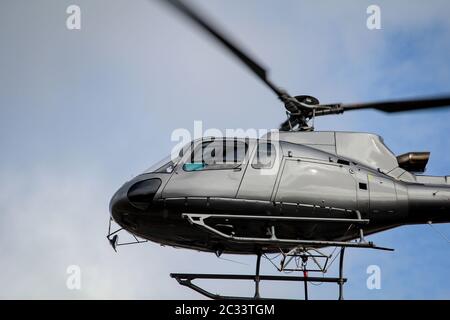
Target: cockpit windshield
{"type": "Point", "coordinates": [167, 164]}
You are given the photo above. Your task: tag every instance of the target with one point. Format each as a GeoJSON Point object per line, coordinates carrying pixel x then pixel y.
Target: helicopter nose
{"type": "Point", "coordinates": [119, 202]}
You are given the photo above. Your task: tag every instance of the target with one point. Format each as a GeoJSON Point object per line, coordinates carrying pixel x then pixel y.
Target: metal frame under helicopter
{"type": "Point", "coordinates": [297, 254]}
{"type": "Point", "coordinates": [302, 252]}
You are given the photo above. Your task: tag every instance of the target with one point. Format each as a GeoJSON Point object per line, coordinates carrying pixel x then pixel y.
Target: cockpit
{"type": "Point", "coordinates": [213, 154]}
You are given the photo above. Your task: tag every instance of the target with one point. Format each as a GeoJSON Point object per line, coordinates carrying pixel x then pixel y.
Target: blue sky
{"type": "Point", "coordinates": [83, 111]}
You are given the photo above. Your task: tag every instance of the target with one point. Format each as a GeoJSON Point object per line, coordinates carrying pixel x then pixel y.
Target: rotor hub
{"type": "Point", "coordinates": [307, 99]}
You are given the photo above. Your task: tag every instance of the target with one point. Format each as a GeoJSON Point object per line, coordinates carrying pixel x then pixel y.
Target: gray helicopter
{"type": "Point", "coordinates": [293, 191]}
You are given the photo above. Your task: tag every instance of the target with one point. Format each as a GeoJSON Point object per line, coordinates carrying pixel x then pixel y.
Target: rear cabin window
{"type": "Point", "coordinates": [265, 156]}
{"type": "Point", "coordinates": [217, 154]}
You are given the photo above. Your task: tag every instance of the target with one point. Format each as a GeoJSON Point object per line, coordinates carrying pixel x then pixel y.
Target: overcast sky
{"type": "Point", "coordinates": [82, 111]}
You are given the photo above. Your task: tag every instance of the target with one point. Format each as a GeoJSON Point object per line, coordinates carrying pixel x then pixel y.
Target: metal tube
{"type": "Point", "coordinates": [341, 274]}
{"type": "Point", "coordinates": [305, 275]}
{"type": "Point", "coordinates": [257, 279]}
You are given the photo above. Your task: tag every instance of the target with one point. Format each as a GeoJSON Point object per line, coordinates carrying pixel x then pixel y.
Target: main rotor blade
{"type": "Point", "coordinates": [220, 36]}
{"type": "Point", "coordinates": [401, 105]}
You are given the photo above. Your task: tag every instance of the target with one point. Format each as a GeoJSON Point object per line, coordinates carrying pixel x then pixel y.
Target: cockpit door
{"type": "Point", "coordinates": [261, 174]}
{"type": "Point", "coordinates": [213, 169]}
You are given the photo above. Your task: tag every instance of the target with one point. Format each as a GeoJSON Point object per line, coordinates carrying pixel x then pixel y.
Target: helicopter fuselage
{"type": "Point", "coordinates": [246, 195]}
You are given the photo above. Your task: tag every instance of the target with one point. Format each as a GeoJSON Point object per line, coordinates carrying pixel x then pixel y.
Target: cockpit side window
{"type": "Point", "coordinates": [265, 156]}
{"type": "Point", "coordinates": [217, 154]}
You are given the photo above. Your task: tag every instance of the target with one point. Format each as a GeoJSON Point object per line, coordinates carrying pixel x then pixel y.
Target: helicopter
{"type": "Point", "coordinates": [293, 191]}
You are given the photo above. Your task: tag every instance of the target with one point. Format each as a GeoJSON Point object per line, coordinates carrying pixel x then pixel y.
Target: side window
{"type": "Point", "coordinates": [217, 154]}
{"type": "Point", "coordinates": [265, 156]}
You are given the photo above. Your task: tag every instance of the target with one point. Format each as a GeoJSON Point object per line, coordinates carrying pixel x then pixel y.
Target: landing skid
{"type": "Point", "coordinates": [199, 220]}
{"type": "Point", "coordinates": [304, 250]}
